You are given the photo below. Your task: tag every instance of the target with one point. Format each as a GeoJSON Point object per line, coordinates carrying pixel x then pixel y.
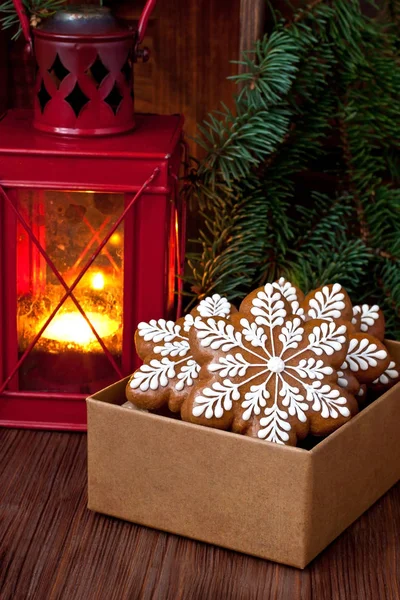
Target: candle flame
{"type": "Point", "coordinates": [98, 281]}
{"type": "Point", "coordinates": [71, 327]}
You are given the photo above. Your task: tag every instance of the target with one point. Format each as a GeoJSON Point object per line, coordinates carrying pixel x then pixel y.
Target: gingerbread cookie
{"type": "Point", "coordinates": [361, 396]}
{"type": "Point", "coordinates": [370, 319]}
{"type": "Point", "coordinates": [387, 379]}
{"type": "Point", "coordinates": [329, 302]}
{"type": "Point", "coordinates": [367, 358]}
{"type": "Point", "coordinates": [356, 318]}
{"type": "Point", "coordinates": [267, 373]}
{"type": "Point", "coordinates": [348, 381]}
{"type": "Point", "coordinates": [169, 369]}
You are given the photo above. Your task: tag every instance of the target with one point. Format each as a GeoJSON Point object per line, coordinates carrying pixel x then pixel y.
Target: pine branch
{"type": "Point", "coordinates": [35, 9]}
{"type": "Point", "coordinates": [340, 90]}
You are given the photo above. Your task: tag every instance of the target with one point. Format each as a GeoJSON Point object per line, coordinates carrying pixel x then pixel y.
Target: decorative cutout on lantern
{"type": "Point", "coordinates": [97, 72]}
{"type": "Point", "coordinates": [77, 100]}
{"type": "Point", "coordinates": [58, 72]}
{"type": "Point", "coordinates": [114, 98]}
{"type": "Point", "coordinates": [43, 96]}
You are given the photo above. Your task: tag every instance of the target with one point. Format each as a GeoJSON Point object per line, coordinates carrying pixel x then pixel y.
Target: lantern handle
{"type": "Point", "coordinates": [23, 19]}
{"type": "Point", "coordinates": [143, 21]}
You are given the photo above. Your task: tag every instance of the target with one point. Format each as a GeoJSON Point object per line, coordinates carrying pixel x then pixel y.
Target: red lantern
{"type": "Point", "coordinates": [84, 82]}
{"type": "Point", "coordinates": [88, 248]}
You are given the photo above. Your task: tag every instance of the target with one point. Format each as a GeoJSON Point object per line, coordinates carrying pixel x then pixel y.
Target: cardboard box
{"type": "Point", "coordinates": [275, 502]}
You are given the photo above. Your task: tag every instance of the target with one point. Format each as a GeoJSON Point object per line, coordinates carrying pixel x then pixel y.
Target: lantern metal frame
{"type": "Point", "coordinates": [143, 165]}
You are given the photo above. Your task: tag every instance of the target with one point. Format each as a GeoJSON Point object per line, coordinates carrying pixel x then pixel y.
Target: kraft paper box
{"type": "Point", "coordinates": [275, 502]}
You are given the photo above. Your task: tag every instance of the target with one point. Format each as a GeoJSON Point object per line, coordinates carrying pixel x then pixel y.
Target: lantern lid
{"type": "Point", "coordinates": [84, 20]}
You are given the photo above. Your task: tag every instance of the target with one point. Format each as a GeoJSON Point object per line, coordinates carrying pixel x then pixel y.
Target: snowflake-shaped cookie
{"type": "Point", "coordinates": [268, 373]}
{"type": "Point", "coordinates": [169, 369]}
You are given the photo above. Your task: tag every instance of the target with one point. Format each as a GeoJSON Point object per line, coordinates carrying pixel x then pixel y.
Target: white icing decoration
{"type": "Point", "coordinates": [390, 374]}
{"type": "Point", "coordinates": [217, 334]}
{"type": "Point", "coordinates": [360, 392]}
{"type": "Point", "coordinates": [275, 425]}
{"type": "Point", "coordinates": [158, 373]}
{"type": "Point", "coordinates": [230, 366]}
{"type": "Point", "coordinates": [188, 323]}
{"type": "Point", "coordinates": [327, 401]}
{"type": "Point", "coordinates": [293, 400]}
{"type": "Point", "coordinates": [289, 292]}
{"type": "Point", "coordinates": [216, 400]}
{"type": "Point", "coordinates": [275, 364]}
{"type": "Point", "coordinates": [214, 306]}
{"type": "Point", "coordinates": [268, 307]}
{"type": "Point", "coordinates": [313, 369]}
{"type": "Point", "coordinates": [369, 314]}
{"type": "Point", "coordinates": [188, 373]}
{"type": "Point", "coordinates": [254, 399]}
{"type": "Point", "coordinates": [327, 338]}
{"type": "Point", "coordinates": [362, 354]}
{"type": "Point", "coordinates": [175, 348]}
{"type": "Point", "coordinates": [297, 379]}
{"type": "Point", "coordinates": [158, 331]}
{"type": "Point", "coordinates": [291, 334]}
{"type": "Point", "coordinates": [342, 381]}
{"type": "Point", "coordinates": [356, 311]}
{"type": "Point", "coordinates": [327, 304]}
{"type": "Point", "coordinates": [253, 334]}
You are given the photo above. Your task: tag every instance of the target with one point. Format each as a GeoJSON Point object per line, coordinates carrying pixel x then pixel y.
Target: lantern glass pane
{"type": "Point", "coordinates": [69, 226]}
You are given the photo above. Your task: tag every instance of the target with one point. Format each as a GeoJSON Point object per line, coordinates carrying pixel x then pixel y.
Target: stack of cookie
{"type": "Point", "coordinates": [283, 367]}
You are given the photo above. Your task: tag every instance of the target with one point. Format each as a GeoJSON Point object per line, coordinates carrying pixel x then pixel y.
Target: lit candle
{"type": "Point", "coordinates": [71, 327]}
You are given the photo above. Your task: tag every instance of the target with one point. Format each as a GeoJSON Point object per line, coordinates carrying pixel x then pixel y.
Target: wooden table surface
{"type": "Point", "coordinates": [52, 547]}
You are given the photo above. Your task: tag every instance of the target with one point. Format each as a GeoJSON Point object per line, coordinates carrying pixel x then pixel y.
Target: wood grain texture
{"type": "Point", "coordinates": [192, 44]}
{"type": "Point", "coordinates": [252, 22]}
{"type": "Point", "coordinates": [52, 547]}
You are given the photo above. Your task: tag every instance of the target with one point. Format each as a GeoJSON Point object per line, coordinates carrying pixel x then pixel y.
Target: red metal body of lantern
{"type": "Point", "coordinates": [89, 246]}
{"type": "Point", "coordinates": [84, 82]}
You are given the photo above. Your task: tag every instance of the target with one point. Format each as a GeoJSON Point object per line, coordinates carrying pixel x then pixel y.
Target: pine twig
{"type": "Point", "coordinates": [304, 12]}
{"type": "Point", "coordinates": [364, 230]}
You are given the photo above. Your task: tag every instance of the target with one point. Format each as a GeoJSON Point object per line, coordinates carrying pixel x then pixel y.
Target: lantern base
{"type": "Point", "coordinates": [69, 372]}
{"type": "Point", "coordinates": [106, 131]}
{"type": "Point", "coordinates": [43, 410]}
